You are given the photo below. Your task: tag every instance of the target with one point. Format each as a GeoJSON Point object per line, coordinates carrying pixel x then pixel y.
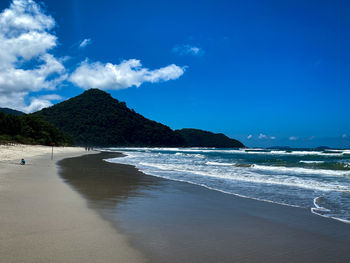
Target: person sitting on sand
{"type": "Point", "coordinates": [23, 162]}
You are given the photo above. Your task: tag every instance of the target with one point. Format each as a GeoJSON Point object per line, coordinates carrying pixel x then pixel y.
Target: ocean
{"type": "Point", "coordinates": [317, 180]}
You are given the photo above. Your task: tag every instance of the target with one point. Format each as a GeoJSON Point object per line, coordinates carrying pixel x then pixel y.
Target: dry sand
{"type": "Point", "coordinates": [43, 220]}
{"type": "Point", "coordinates": [18, 151]}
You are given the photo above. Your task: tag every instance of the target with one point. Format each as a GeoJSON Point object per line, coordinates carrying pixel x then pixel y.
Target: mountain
{"type": "Point", "coordinates": [95, 118]}
{"type": "Point", "coordinates": [11, 111]}
{"type": "Point", "coordinates": [200, 138]}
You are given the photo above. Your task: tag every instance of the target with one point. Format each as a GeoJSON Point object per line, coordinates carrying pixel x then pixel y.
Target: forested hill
{"type": "Point", "coordinates": [95, 118]}
{"type": "Point", "coordinates": [200, 138]}
{"type": "Point", "coordinates": [11, 111]}
{"type": "Point", "coordinates": [29, 129]}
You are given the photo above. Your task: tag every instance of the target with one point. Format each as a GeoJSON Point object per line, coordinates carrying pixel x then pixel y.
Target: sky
{"type": "Point", "coordinates": [265, 72]}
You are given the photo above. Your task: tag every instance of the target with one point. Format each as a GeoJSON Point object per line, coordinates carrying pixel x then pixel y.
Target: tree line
{"type": "Point", "coordinates": [30, 129]}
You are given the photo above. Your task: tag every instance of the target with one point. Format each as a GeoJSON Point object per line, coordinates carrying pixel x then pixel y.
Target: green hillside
{"type": "Point", "coordinates": [200, 138]}
{"type": "Point", "coordinates": [11, 111]}
{"type": "Point", "coordinates": [95, 118]}
{"type": "Point", "coordinates": [29, 129]}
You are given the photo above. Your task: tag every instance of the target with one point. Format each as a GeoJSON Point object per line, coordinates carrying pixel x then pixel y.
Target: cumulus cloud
{"type": "Point", "coordinates": [124, 75]}
{"type": "Point", "coordinates": [85, 42]}
{"type": "Point", "coordinates": [51, 97]}
{"type": "Point", "coordinates": [293, 138]}
{"type": "Point", "coordinates": [188, 50]}
{"type": "Point", "coordinates": [262, 136]}
{"type": "Point", "coordinates": [25, 62]}
{"type": "Point", "coordinates": [249, 136]}
{"type": "Point", "coordinates": [265, 137]}
{"type": "Point", "coordinates": [41, 102]}
{"type": "Point", "coordinates": [25, 15]}
{"type": "Point", "coordinates": [16, 100]}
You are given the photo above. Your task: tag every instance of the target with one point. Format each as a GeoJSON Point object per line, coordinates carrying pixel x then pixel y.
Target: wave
{"type": "Point", "coordinates": [190, 155]}
{"type": "Point", "coordinates": [311, 161]}
{"type": "Point", "coordinates": [275, 186]}
{"type": "Point", "coordinates": [300, 170]}
{"type": "Point", "coordinates": [317, 206]}
{"type": "Point", "coordinates": [238, 175]}
{"type": "Point", "coordinates": [220, 164]}
{"type": "Point", "coordinates": [253, 151]}
{"type": "Point", "coordinates": [227, 192]}
{"type": "Point", "coordinates": [322, 211]}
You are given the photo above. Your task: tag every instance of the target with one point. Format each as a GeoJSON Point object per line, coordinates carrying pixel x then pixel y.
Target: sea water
{"type": "Point", "coordinates": [319, 180]}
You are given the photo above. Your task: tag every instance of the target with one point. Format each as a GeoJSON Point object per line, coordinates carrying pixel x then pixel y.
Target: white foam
{"type": "Point", "coordinates": [226, 192]}
{"type": "Point", "coordinates": [237, 151]}
{"type": "Point", "coordinates": [318, 207]}
{"type": "Point", "coordinates": [243, 175]}
{"type": "Point", "coordinates": [317, 210]}
{"type": "Point", "coordinates": [311, 161]}
{"type": "Point", "coordinates": [220, 164]}
{"type": "Point", "coordinates": [299, 170]}
{"type": "Point", "coordinates": [277, 184]}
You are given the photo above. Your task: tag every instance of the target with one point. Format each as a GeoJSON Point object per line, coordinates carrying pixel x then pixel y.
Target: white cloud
{"type": "Point", "coordinates": [25, 15]}
{"type": "Point", "coordinates": [85, 42]}
{"type": "Point", "coordinates": [249, 136]}
{"type": "Point", "coordinates": [25, 62]}
{"type": "Point", "coordinates": [344, 136]}
{"type": "Point", "coordinates": [41, 102]}
{"type": "Point", "coordinates": [16, 100]}
{"type": "Point", "coordinates": [262, 136]}
{"type": "Point", "coordinates": [124, 75]}
{"type": "Point", "coordinates": [188, 50]}
{"type": "Point", "coordinates": [51, 97]}
{"type": "Point", "coordinates": [293, 138]}
{"type": "Point", "coordinates": [265, 137]}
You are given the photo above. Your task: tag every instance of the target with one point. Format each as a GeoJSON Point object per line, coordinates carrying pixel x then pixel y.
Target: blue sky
{"type": "Point", "coordinates": [265, 72]}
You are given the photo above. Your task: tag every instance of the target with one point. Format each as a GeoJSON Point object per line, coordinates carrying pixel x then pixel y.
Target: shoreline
{"type": "Point", "coordinates": [313, 210]}
{"type": "Point", "coordinates": [171, 221]}
{"type": "Point", "coordinates": [43, 220]}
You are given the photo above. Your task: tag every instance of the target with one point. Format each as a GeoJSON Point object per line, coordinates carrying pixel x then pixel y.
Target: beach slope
{"type": "Point", "coordinates": [43, 220]}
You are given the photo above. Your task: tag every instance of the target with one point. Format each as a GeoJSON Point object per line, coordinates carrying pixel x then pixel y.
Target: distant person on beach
{"type": "Point", "coordinates": [23, 162]}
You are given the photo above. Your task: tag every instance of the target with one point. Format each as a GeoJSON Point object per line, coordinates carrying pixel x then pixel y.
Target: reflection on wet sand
{"type": "Point", "coordinates": [172, 221]}
{"type": "Point", "coordinates": [103, 184]}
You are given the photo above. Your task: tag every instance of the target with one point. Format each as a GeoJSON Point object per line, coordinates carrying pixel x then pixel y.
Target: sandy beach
{"type": "Point", "coordinates": [43, 220]}
{"type": "Point", "coordinates": [171, 221]}
{"type": "Point", "coordinates": [80, 208]}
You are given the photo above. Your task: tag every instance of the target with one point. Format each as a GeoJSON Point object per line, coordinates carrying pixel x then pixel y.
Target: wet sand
{"type": "Point", "coordinates": [43, 220]}
{"type": "Point", "coordinates": [171, 221]}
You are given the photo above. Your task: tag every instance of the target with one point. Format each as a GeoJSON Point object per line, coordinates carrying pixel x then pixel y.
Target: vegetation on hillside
{"type": "Point", "coordinates": [200, 138]}
{"type": "Point", "coordinates": [29, 129]}
{"type": "Point", "coordinates": [95, 118]}
{"type": "Point", "coordinates": [11, 111]}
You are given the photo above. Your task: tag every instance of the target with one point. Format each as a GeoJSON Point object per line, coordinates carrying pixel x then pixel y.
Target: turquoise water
{"type": "Point", "coordinates": [319, 180]}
